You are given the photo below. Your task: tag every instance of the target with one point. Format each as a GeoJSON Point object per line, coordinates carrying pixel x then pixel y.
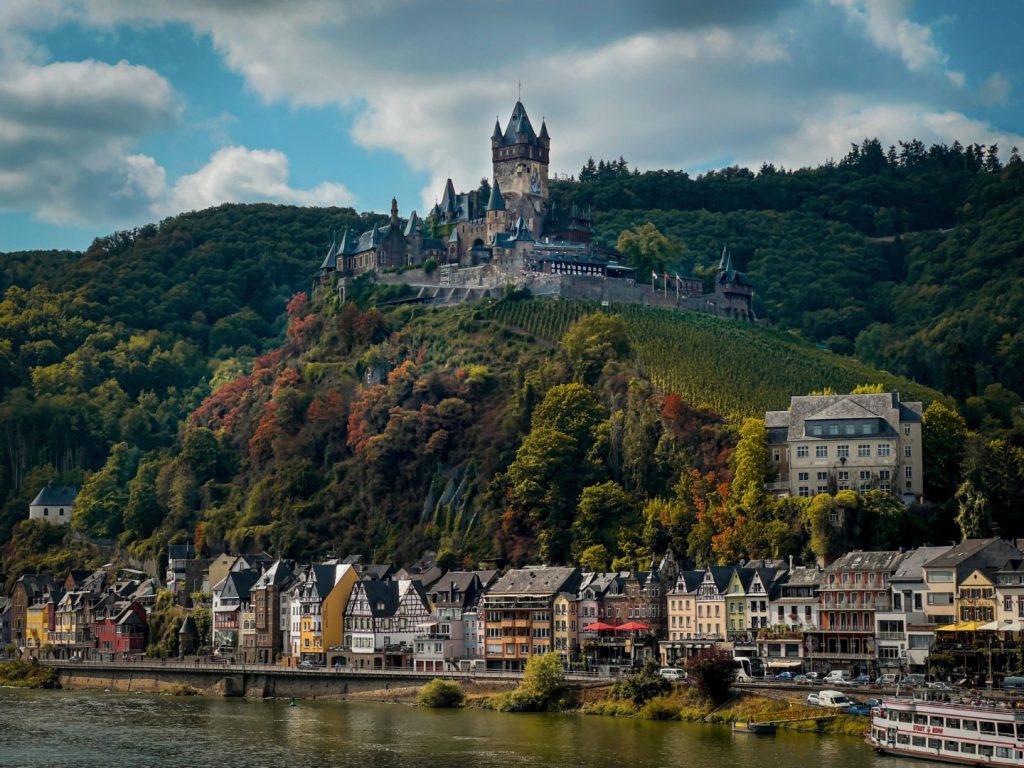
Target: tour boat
{"type": "Point", "coordinates": [949, 729]}
{"type": "Point", "coordinates": [746, 726]}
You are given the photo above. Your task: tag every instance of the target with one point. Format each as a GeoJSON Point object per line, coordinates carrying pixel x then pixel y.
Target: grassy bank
{"type": "Point", "coordinates": [683, 704]}
{"type": "Point", "coordinates": [21, 674]}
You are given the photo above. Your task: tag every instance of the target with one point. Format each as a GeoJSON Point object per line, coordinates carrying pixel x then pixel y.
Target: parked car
{"type": "Point", "coordinates": [785, 676]}
{"type": "Point", "coordinates": [802, 680]}
{"type": "Point", "coordinates": [812, 700]}
{"type": "Point", "coordinates": [939, 685]}
{"type": "Point", "coordinates": [838, 677]}
{"type": "Point", "coordinates": [836, 699]}
{"type": "Point", "coordinates": [886, 679]}
{"type": "Point", "coordinates": [861, 680]}
{"type": "Point", "coordinates": [306, 664]}
{"type": "Point", "coordinates": [912, 681]}
{"type": "Point", "coordinates": [672, 673]}
{"type": "Point", "coordinates": [858, 709]}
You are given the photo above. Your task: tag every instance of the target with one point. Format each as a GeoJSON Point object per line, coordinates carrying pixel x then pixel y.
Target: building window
{"type": "Point", "coordinates": [803, 475]}
{"type": "Point", "coordinates": [843, 451]}
{"type": "Point", "coordinates": [776, 455]}
{"type": "Point", "coordinates": [908, 451]}
{"type": "Point", "coordinates": [801, 452]}
{"type": "Point", "coordinates": [863, 451]}
{"type": "Point", "coordinates": [844, 475]}
{"type": "Point", "coordinates": [821, 451]}
{"type": "Point", "coordinates": [823, 475]}
{"type": "Point", "coordinates": [906, 429]}
{"type": "Point", "coordinates": [804, 491]}
{"type": "Point", "coordinates": [883, 449]}
{"type": "Point", "coordinates": [865, 474]}
{"type": "Point", "coordinates": [883, 474]}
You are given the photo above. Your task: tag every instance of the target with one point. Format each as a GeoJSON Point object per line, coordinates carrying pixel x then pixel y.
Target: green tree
{"type": "Point", "coordinates": [604, 509]}
{"type": "Point", "coordinates": [643, 686]}
{"type": "Point", "coordinates": [543, 677]}
{"type": "Point", "coordinates": [99, 506]}
{"type": "Point", "coordinates": [712, 672]}
{"type": "Point", "coordinates": [974, 516]}
{"type": "Point", "coordinates": [593, 341]}
{"type": "Point", "coordinates": [595, 558]}
{"type": "Point", "coordinates": [943, 435]}
{"type": "Point", "coordinates": [648, 250]}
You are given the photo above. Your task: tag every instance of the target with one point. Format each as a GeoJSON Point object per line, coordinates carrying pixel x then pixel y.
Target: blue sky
{"type": "Point", "coordinates": [114, 113]}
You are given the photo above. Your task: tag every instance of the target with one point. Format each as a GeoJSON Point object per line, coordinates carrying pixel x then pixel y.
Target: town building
{"type": "Point", "coordinates": [831, 443]}
{"type": "Point", "coordinates": [382, 620]}
{"type": "Point", "coordinates": [519, 614]}
{"type": "Point", "coordinates": [268, 600]}
{"type": "Point", "coordinates": [54, 504]}
{"type": "Point", "coordinates": [28, 590]}
{"type": "Point", "coordinates": [323, 597]}
{"type": "Point", "coordinates": [230, 600]}
{"type": "Point", "coordinates": [853, 589]}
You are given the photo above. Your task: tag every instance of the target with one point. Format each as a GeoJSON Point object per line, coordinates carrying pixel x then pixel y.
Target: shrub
{"type": "Point", "coordinates": [661, 708]}
{"type": "Point", "coordinates": [441, 694]}
{"type": "Point", "coordinates": [712, 672]}
{"type": "Point", "coordinates": [643, 686]}
{"type": "Point", "coordinates": [429, 266]}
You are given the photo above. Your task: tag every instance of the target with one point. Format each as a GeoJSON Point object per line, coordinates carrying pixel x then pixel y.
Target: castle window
{"type": "Point", "coordinates": [46, 512]}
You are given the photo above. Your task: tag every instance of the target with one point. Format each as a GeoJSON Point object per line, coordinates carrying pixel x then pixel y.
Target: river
{"type": "Point", "coordinates": [85, 729]}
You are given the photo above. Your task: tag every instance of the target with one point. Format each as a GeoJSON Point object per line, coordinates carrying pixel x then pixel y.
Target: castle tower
{"type": "Point", "coordinates": [520, 158]}
{"type": "Point", "coordinates": [495, 211]}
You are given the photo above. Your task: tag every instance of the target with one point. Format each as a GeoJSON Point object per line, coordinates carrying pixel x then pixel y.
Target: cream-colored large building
{"type": "Point", "coordinates": [831, 443]}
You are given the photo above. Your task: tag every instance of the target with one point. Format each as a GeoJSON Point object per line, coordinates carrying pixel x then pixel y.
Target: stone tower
{"type": "Point", "coordinates": [520, 160]}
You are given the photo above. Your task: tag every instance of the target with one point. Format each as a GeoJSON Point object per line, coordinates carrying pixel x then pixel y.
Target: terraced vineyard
{"type": "Point", "coordinates": [732, 367]}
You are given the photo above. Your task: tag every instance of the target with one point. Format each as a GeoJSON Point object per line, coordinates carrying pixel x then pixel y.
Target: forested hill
{"type": "Point", "coordinates": [911, 258]}
{"type": "Point", "coordinates": [108, 358]}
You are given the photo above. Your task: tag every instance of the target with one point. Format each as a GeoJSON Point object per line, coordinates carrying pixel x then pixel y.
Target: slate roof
{"type": "Point", "coordinates": [188, 627]}
{"type": "Point", "coordinates": [519, 130]}
{"type": "Point", "coordinates": [277, 575]}
{"type": "Point", "coordinates": [464, 584]}
{"type": "Point", "coordinates": [975, 553]}
{"type": "Point", "coordinates": [382, 597]}
{"type": "Point", "coordinates": [883, 560]}
{"type": "Point", "coordinates": [885, 406]}
{"type": "Point", "coordinates": [36, 584]}
{"type": "Point", "coordinates": [911, 567]}
{"type": "Point", "coordinates": [496, 201]}
{"type": "Point", "coordinates": [537, 580]}
{"type": "Point", "coordinates": [1013, 565]}
{"type": "Point", "coordinates": [55, 496]}
{"type": "Point", "coordinates": [689, 581]}
{"type": "Point", "coordinates": [238, 584]}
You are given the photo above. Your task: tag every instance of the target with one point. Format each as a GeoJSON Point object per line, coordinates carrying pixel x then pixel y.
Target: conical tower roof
{"type": "Point", "coordinates": [496, 201]}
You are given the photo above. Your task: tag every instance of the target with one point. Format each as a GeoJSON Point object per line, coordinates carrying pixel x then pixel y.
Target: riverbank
{"type": "Point", "coordinates": [682, 704]}
{"type": "Point", "coordinates": [22, 674]}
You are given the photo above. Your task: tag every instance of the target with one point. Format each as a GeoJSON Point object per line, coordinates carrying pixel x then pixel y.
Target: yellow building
{"type": "Point", "coordinates": [36, 634]}
{"type": "Point", "coordinates": [566, 625]}
{"type": "Point", "coordinates": [976, 598]}
{"type": "Point", "coordinates": [323, 598]}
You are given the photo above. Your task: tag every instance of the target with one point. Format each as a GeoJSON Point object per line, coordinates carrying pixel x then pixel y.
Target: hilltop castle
{"type": "Point", "coordinates": [517, 236]}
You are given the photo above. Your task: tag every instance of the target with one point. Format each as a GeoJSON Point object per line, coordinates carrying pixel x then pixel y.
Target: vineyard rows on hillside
{"type": "Point", "coordinates": [731, 367]}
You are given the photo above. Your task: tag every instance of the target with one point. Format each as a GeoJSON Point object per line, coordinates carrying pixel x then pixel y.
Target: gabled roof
{"type": "Point", "coordinates": [55, 496]}
{"type": "Point", "coordinates": [278, 575]}
{"type": "Point", "coordinates": [238, 584]}
{"type": "Point", "coordinates": [330, 261]}
{"type": "Point", "coordinates": [802, 408]}
{"type": "Point", "coordinates": [911, 567]}
{"type": "Point", "coordinates": [721, 575]}
{"type": "Point", "coordinates": [412, 225]}
{"type": "Point", "coordinates": [688, 581]}
{"type": "Point", "coordinates": [975, 553]}
{"type": "Point", "coordinates": [381, 596]}
{"type": "Point", "coordinates": [537, 580]}
{"type": "Point", "coordinates": [883, 560]}
{"type": "Point", "coordinates": [845, 408]}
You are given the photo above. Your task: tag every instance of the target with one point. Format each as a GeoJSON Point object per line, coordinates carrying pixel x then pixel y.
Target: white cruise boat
{"type": "Point", "coordinates": [949, 729]}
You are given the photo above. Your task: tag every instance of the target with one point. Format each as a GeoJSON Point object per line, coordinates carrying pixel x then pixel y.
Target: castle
{"type": "Point", "coordinates": [517, 236]}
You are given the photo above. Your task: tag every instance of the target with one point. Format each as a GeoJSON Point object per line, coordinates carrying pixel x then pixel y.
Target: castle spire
{"type": "Point", "coordinates": [394, 211]}
{"type": "Point", "coordinates": [497, 130]}
{"type": "Point", "coordinates": [496, 201]}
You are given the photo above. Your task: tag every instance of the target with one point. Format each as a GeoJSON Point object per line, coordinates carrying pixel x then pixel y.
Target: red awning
{"type": "Point", "coordinates": [598, 626]}
{"type": "Point", "coordinates": [632, 626]}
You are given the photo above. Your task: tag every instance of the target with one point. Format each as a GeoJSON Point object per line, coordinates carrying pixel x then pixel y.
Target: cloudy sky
{"type": "Point", "coordinates": [114, 113]}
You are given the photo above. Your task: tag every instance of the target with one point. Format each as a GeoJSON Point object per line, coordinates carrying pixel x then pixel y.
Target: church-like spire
{"type": "Point", "coordinates": [497, 130]}
{"type": "Point", "coordinates": [394, 211]}
{"type": "Point", "coordinates": [496, 201]}
{"type": "Point", "coordinates": [543, 130]}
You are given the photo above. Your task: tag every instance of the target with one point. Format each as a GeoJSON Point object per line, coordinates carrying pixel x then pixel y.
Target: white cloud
{"type": "Point", "coordinates": [65, 133]}
{"type": "Point", "coordinates": [241, 175]}
{"type": "Point", "coordinates": [829, 132]}
{"type": "Point", "coordinates": [996, 89]}
{"type": "Point", "coordinates": [886, 24]}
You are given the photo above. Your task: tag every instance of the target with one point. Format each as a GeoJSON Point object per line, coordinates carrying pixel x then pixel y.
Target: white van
{"type": "Point", "coordinates": [836, 699]}
{"type": "Point", "coordinates": [838, 677]}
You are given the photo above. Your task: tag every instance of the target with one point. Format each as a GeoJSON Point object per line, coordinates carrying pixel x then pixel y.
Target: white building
{"type": "Point", "coordinates": [54, 504]}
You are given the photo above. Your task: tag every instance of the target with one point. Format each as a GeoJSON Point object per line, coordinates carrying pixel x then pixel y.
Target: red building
{"type": "Point", "coordinates": [123, 630]}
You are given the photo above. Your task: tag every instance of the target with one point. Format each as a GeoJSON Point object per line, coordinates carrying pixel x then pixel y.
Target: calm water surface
{"type": "Point", "coordinates": [64, 728]}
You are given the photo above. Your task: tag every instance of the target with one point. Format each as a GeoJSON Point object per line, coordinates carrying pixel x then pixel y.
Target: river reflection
{"type": "Point", "coordinates": [58, 728]}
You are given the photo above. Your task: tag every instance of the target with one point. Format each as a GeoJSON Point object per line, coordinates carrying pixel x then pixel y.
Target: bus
{"type": "Point", "coordinates": [749, 668]}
